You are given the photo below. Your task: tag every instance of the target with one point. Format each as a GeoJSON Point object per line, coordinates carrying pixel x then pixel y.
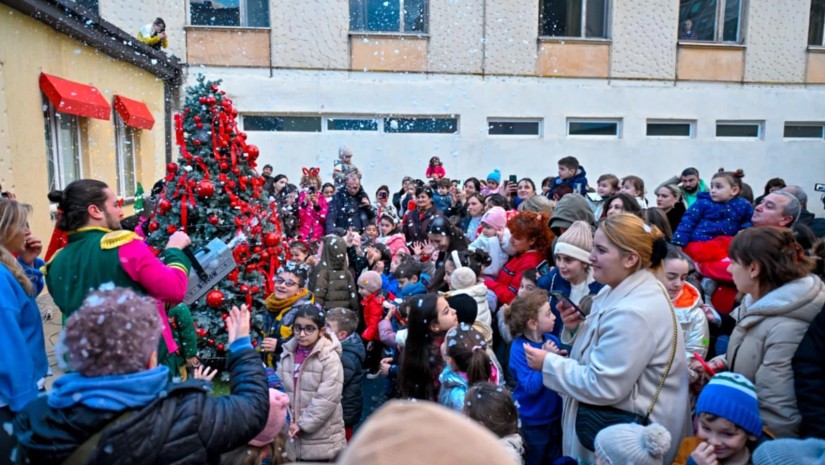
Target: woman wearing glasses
{"type": "Point", "coordinates": [290, 292]}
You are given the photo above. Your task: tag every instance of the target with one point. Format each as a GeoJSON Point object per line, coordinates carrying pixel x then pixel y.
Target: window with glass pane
{"type": "Point", "coordinates": [804, 130]}
{"type": "Point", "coordinates": [62, 133]}
{"type": "Point", "coordinates": [816, 23]}
{"type": "Point", "coordinates": [421, 125]}
{"type": "Point", "coordinates": [282, 123]}
{"type": "Point", "coordinates": [350, 124]}
{"type": "Point", "coordinates": [388, 16]}
{"type": "Point", "coordinates": [710, 20]}
{"type": "Point", "coordinates": [126, 172]}
{"type": "Point", "coordinates": [669, 129]}
{"type": "Point", "coordinates": [513, 128]}
{"type": "Point", "coordinates": [573, 18]}
{"type": "Point", "coordinates": [245, 13]}
{"type": "Point", "coordinates": [750, 130]}
{"type": "Point", "coordinates": [593, 128]}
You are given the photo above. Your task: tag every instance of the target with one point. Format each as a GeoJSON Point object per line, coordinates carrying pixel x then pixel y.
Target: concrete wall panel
{"type": "Point", "coordinates": [456, 31]}
{"type": "Point", "coordinates": [130, 16]}
{"type": "Point", "coordinates": [697, 63]}
{"type": "Point", "coordinates": [227, 46]}
{"type": "Point", "coordinates": [512, 32]}
{"type": "Point", "coordinates": [310, 34]}
{"type": "Point", "coordinates": [776, 38]}
{"type": "Point", "coordinates": [644, 39]}
{"type": "Point", "coordinates": [389, 53]}
{"type": "Point", "coordinates": [573, 59]}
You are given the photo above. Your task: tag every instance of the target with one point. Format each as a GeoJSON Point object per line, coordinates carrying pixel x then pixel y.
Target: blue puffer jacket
{"type": "Point", "coordinates": [453, 389]}
{"type": "Point", "coordinates": [706, 219]}
{"type": "Point", "coordinates": [579, 178]}
{"type": "Point", "coordinates": [553, 281]}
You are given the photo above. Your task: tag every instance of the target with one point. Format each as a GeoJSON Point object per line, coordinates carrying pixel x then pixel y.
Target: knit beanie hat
{"type": "Point", "coordinates": [463, 277]}
{"type": "Point", "coordinates": [632, 443]}
{"type": "Point", "coordinates": [495, 176]}
{"type": "Point", "coordinates": [732, 397]}
{"type": "Point", "coordinates": [576, 242]}
{"type": "Point", "coordinates": [370, 280]}
{"type": "Point", "coordinates": [278, 403]}
{"type": "Point", "coordinates": [466, 307]}
{"type": "Point", "coordinates": [790, 452]}
{"type": "Point", "coordinates": [496, 217]}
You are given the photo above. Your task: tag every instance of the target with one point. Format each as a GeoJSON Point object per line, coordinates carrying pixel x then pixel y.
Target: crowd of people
{"type": "Point", "coordinates": [569, 323]}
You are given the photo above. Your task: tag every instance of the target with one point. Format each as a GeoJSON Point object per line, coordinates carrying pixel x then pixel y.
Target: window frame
{"type": "Point", "coordinates": [539, 130]}
{"type": "Point", "coordinates": [690, 122]}
{"type": "Point", "coordinates": [381, 121]}
{"type": "Point", "coordinates": [719, 25]}
{"type": "Point", "coordinates": [582, 23]}
{"type": "Point", "coordinates": [821, 39]}
{"type": "Point", "coordinates": [820, 125]}
{"type": "Point", "coordinates": [617, 121]}
{"type": "Point", "coordinates": [122, 134]}
{"type": "Point", "coordinates": [243, 21]}
{"type": "Point", "coordinates": [760, 125]}
{"type": "Point", "coordinates": [401, 20]}
{"type": "Point", "coordinates": [54, 150]}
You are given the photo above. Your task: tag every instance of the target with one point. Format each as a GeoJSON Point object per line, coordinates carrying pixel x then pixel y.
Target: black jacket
{"type": "Point", "coordinates": [809, 379]}
{"type": "Point", "coordinates": [817, 225]}
{"type": "Point", "coordinates": [353, 355]}
{"type": "Point", "coordinates": [416, 227]}
{"type": "Point", "coordinates": [348, 211]}
{"type": "Point", "coordinates": [186, 425]}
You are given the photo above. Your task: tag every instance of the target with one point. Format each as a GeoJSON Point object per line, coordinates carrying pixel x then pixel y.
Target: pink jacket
{"type": "Point", "coordinates": [396, 243]}
{"type": "Point", "coordinates": [438, 172]}
{"type": "Point", "coordinates": [311, 220]}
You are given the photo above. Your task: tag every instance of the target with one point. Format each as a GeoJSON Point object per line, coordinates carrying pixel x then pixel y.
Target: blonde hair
{"type": "Point", "coordinates": [631, 234]}
{"type": "Point", "coordinates": [13, 216]}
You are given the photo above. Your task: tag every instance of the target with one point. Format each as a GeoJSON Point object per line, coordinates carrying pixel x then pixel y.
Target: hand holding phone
{"type": "Point", "coordinates": [561, 297]}
{"type": "Point", "coordinates": [513, 179]}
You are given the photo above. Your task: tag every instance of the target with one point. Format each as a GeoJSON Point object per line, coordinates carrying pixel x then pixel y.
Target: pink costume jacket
{"type": "Point", "coordinates": [311, 218]}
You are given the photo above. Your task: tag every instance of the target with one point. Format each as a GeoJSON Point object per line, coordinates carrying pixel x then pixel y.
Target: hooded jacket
{"type": "Point", "coordinates": [693, 321]}
{"type": "Point", "coordinates": [764, 342]}
{"type": "Point", "coordinates": [569, 209]}
{"type": "Point", "coordinates": [453, 389]}
{"type": "Point", "coordinates": [315, 400]}
{"type": "Point", "coordinates": [353, 355]}
{"type": "Point", "coordinates": [577, 180]}
{"type": "Point", "coordinates": [347, 211]}
{"type": "Point", "coordinates": [706, 219]}
{"type": "Point", "coordinates": [809, 379]}
{"type": "Point", "coordinates": [416, 225]}
{"type": "Point", "coordinates": [331, 281]}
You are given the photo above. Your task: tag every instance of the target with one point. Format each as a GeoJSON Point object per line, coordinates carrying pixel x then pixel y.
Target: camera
{"type": "Point", "coordinates": [819, 187]}
{"type": "Point", "coordinates": [4, 195]}
{"type": "Point", "coordinates": [382, 195]}
{"type": "Point", "coordinates": [311, 189]}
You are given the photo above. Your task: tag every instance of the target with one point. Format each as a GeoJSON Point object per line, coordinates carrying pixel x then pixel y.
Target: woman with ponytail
{"type": "Point", "coordinates": [627, 355]}
{"type": "Point", "coordinates": [467, 363]}
{"type": "Point", "coordinates": [23, 362]}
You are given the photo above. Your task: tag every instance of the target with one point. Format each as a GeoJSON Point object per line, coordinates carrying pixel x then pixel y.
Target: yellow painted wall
{"type": "Point", "coordinates": [389, 53]}
{"type": "Point", "coordinates": [710, 63]}
{"type": "Point", "coordinates": [573, 59]}
{"type": "Point", "coordinates": [27, 48]}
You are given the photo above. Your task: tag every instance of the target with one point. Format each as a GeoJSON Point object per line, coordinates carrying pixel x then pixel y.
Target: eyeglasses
{"type": "Point", "coordinates": [288, 282]}
{"type": "Point", "coordinates": [304, 329]}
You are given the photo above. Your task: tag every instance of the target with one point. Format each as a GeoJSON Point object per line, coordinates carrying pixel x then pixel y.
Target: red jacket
{"type": "Point", "coordinates": [509, 278]}
{"type": "Point", "coordinates": [373, 307]}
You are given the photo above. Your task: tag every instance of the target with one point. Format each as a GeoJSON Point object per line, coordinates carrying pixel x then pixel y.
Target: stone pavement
{"type": "Point", "coordinates": [51, 330]}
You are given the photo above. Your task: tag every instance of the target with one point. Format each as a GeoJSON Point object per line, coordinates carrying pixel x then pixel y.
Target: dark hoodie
{"type": "Point", "coordinates": [352, 357]}
{"type": "Point", "coordinates": [579, 178]}
{"type": "Point", "coordinates": [330, 280]}
{"type": "Point", "coordinates": [571, 208]}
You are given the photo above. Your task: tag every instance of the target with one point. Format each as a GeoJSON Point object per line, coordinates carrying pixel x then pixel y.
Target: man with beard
{"type": "Point", "coordinates": [690, 184]}
{"type": "Point", "coordinates": [100, 252]}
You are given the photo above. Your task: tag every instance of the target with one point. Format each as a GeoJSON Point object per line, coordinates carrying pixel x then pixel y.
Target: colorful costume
{"type": "Point", "coordinates": [183, 331]}
{"type": "Point", "coordinates": [311, 218]}
{"type": "Point", "coordinates": [96, 256]}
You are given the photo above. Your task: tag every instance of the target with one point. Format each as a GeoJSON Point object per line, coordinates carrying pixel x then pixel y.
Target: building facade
{"type": "Point", "coordinates": [645, 87]}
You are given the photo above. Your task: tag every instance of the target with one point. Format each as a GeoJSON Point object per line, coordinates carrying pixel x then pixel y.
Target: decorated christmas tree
{"type": "Point", "coordinates": [213, 191]}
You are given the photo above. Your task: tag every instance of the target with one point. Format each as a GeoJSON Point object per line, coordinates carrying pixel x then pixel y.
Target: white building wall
{"type": "Point", "coordinates": [131, 15]}
{"type": "Point", "coordinates": [512, 28]}
{"type": "Point", "coordinates": [644, 39]}
{"type": "Point", "coordinates": [385, 158]}
{"type": "Point", "coordinates": [776, 39]}
{"type": "Point", "coordinates": [456, 31]}
{"type": "Point", "coordinates": [310, 33]}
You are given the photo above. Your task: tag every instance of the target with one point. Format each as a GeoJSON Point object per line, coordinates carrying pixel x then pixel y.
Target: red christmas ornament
{"type": "Point", "coordinates": [254, 289]}
{"type": "Point", "coordinates": [196, 143]}
{"type": "Point", "coordinates": [271, 239]}
{"type": "Point", "coordinates": [236, 171]}
{"type": "Point", "coordinates": [264, 255]}
{"type": "Point", "coordinates": [205, 188]}
{"type": "Point", "coordinates": [211, 100]}
{"type": "Point", "coordinates": [202, 100]}
{"type": "Point", "coordinates": [220, 347]}
{"type": "Point", "coordinates": [197, 119]}
{"type": "Point", "coordinates": [224, 166]}
{"type": "Point", "coordinates": [214, 87]}
{"type": "Point", "coordinates": [242, 135]}
{"type": "Point", "coordinates": [215, 298]}
{"type": "Point", "coordinates": [224, 316]}
{"type": "Point", "coordinates": [171, 229]}
{"type": "Point", "coordinates": [201, 332]}
{"type": "Point", "coordinates": [199, 125]}
{"type": "Point", "coordinates": [251, 268]}
{"type": "Point", "coordinates": [214, 220]}
{"type": "Point", "coordinates": [172, 168]}
{"type": "Point", "coordinates": [257, 249]}
{"type": "Point", "coordinates": [210, 342]}
{"type": "Point", "coordinates": [230, 184]}
{"type": "Point", "coordinates": [153, 226]}
{"type": "Point", "coordinates": [244, 288]}
{"type": "Point", "coordinates": [164, 205]}
{"type": "Point", "coordinates": [252, 151]}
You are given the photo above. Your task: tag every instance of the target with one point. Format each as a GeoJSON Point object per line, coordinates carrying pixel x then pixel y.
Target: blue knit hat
{"type": "Point", "coordinates": [495, 176]}
{"type": "Point", "coordinates": [732, 397]}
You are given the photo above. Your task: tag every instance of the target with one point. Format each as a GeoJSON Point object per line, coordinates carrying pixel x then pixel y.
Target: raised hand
{"type": "Point", "coordinates": [237, 325]}
{"type": "Point", "coordinates": [205, 373]}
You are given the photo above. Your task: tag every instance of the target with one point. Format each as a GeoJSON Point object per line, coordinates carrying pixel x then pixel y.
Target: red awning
{"type": "Point", "coordinates": [134, 113]}
{"type": "Point", "coordinates": [74, 98]}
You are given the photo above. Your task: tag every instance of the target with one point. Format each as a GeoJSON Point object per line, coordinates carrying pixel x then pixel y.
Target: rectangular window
{"type": "Point", "coordinates": [421, 125]}
{"type": "Point", "coordinates": [804, 130]}
{"type": "Point", "coordinates": [282, 123]}
{"type": "Point", "coordinates": [352, 124]}
{"type": "Point", "coordinates": [576, 127]}
{"type": "Point", "coordinates": [125, 141]}
{"type": "Point", "coordinates": [710, 20]}
{"type": "Point", "coordinates": [62, 146]}
{"type": "Point", "coordinates": [744, 129]}
{"type": "Point", "coordinates": [389, 16]}
{"type": "Point", "coordinates": [669, 128]}
{"type": "Point", "coordinates": [573, 18]}
{"type": "Point", "coordinates": [816, 23]}
{"type": "Point", "coordinates": [243, 13]}
{"type": "Point", "coordinates": [513, 128]}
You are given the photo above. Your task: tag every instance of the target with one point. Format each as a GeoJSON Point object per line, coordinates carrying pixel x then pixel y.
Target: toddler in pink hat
{"type": "Point", "coordinates": [491, 240]}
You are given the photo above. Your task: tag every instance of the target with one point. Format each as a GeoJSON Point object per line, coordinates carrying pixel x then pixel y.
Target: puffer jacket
{"type": "Point", "coordinates": [484, 318]}
{"type": "Point", "coordinates": [809, 379]}
{"type": "Point", "coordinates": [509, 279]}
{"type": "Point", "coordinates": [706, 219]}
{"type": "Point", "coordinates": [416, 225]}
{"type": "Point", "coordinates": [693, 321]}
{"type": "Point", "coordinates": [312, 218]}
{"type": "Point", "coordinates": [572, 208]}
{"type": "Point", "coordinates": [453, 389]}
{"type": "Point", "coordinates": [347, 211]}
{"type": "Point", "coordinates": [579, 179]}
{"type": "Point", "coordinates": [353, 355]}
{"type": "Point", "coordinates": [187, 425]}
{"type": "Point", "coordinates": [315, 399]}
{"type": "Point", "coordinates": [763, 344]}
{"type": "Point", "coordinates": [331, 281]}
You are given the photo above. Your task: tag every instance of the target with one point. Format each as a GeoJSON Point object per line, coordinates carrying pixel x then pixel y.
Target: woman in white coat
{"type": "Point", "coordinates": [628, 344]}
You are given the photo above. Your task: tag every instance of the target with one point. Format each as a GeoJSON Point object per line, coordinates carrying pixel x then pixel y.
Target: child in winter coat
{"type": "Point", "coordinates": [408, 275]}
{"type": "Point", "coordinates": [461, 269]}
{"type": "Point", "coordinates": [531, 321]}
{"type": "Point", "coordinates": [342, 323]}
{"type": "Point", "coordinates": [493, 407]}
{"type": "Point", "coordinates": [493, 224]}
{"type": "Point", "coordinates": [313, 376]}
{"type": "Point", "coordinates": [572, 175]}
{"type": "Point", "coordinates": [331, 282]}
{"type": "Point", "coordinates": [435, 170]}
{"type": "Point", "coordinates": [369, 287]}
{"type": "Point", "coordinates": [183, 332]}
{"type": "Point", "coordinates": [493, 184]}
{"type": "Point", "coordinates": [687, 302]}
{"type": "Point", "coordinates": [391, 236]}
{"type": "Point", "coordinates": [728, 423]}
{"type": "Point", "coordinates": [634, 186]}
{"type": "Point", "coordinates": [465, 352]}
{"type": "Point", "coordinates": [442, 199]}
{"type": "Point", "coordinates": [312, 207]}
{"type": "Point", "coordinates": [606, 185]}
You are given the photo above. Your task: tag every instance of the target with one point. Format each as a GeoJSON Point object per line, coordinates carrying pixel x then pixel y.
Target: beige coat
{"type": "Point", "coordinates": [764, 342]}
{"type": "Point", "coordinates": [618, 358]}
{"type": "Point", "coordinates": [315, 402]}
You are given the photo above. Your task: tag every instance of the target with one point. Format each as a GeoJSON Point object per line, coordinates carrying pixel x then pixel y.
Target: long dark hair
{"type": "Point", "coordinates": [73, 202]}
{"type": "Point", "coordinates": [458, 241]}
{"type": "Point", "coordinates": [418, 362]}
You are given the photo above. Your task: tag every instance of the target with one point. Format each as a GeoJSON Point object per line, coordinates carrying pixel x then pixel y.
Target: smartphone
{"type": "Point", "coordinates": [513, 179]}
{"type": "Point", "coordinates": [819, 187]}
{"type": "Point", "coordinates": [560, 296]}
{"type": "Point", "coordinates": [704, 364]}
